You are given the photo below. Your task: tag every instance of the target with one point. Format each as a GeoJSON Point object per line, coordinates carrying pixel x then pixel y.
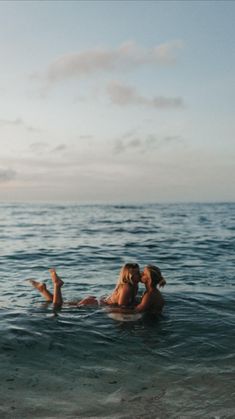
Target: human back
{"type": "Point", "coordinates": [127, 286]}
{"type": "Point", "coordinates": [152, 299]}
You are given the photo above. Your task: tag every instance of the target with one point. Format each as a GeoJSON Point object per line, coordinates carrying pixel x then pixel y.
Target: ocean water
{"type": "Point", "coordinates": [79, 363]}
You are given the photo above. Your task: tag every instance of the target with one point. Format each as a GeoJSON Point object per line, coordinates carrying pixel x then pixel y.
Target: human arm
{"type": "Point", "coordinates": [151, 301]}
{"type": "Point", "coordinates": [123, 295]}
{"type": "Point", "coordinates": [90, 300]}
{"type": "Point", "coordinates": [143, 306]}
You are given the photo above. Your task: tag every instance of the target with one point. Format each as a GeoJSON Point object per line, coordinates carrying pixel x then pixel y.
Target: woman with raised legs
{"type": "Point", "coordinates": [124, 293]}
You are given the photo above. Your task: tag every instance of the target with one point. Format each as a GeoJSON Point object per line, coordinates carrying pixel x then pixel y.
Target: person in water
{"type": "Point", "coordinates": [124, 293]}
{"type": "Point", "coordinates": [152, 300]}
{"type": "Point", "coordinates": [127, 286]}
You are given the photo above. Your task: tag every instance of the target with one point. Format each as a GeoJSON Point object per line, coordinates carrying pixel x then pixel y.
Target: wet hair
{"type": "Point", "coordinates": [126, 274]}
{"type": "Point", "coordinates": [155, 276]}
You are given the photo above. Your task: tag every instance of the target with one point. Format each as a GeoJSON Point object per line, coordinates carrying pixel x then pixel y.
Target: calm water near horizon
{"type": "Point", "coordinates": [79, 363]}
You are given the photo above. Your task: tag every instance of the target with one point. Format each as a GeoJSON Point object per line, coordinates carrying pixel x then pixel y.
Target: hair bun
{"type": "Point", "coordinates": [162, 282]}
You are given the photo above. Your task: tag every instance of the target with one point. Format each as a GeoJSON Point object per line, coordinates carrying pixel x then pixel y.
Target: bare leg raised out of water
{"type": "Point", "coordinates": [56, 297]}
{"type": "Point", "coordinates": [58, 284]}
{"type": "Point", "coordinates": [41, 287]}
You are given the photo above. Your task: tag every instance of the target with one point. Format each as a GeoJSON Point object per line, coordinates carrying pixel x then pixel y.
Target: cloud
{"type": "Point", "coordinates": [6, 175]}
{"type": "Point", "coordinates": [33, 129]}
{"type": "Point", "coordinates": [18, 122]}
{"type": "Point", "coordinates": [11, 122]}
{"type": "Point", "coordinates": [43, 147]}
{"type": "Point", "coordinates": [150, 142]}
{"type": "Point", "coordinates": [123, 95]}
{"type": "Point", "coordinates": [60, 147]}
{"type": "Point", "coordinates": [85, 137]}
{"type": "Point", "coordinates": [125, 57]}
{"type": "Point", "coordinates": [38, 147]}
{"type": "Point", "coordinates": [121, 145]}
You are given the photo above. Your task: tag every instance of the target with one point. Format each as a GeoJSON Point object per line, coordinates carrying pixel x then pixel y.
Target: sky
{"type": "Point", "coordinates": [117, 101]}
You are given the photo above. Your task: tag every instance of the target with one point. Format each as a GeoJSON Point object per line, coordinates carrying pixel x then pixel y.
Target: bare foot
{"type": "Point", "coordinates": [40, 286]}
{"type": "Point", "coordinates": [55, 278]}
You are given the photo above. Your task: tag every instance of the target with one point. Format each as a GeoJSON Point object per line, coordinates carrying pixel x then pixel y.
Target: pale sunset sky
{"type": "Point", "coordinates": [117, 101]}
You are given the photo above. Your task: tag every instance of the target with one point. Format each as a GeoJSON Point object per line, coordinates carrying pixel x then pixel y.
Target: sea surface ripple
{"type": "Point", "coordinates": [79, 363]}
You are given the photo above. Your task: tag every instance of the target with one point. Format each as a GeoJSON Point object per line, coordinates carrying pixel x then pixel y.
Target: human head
{"type": "Point", "coordinates": [153, 274]}
{"type": "Point", "coordinates": [130, 274]}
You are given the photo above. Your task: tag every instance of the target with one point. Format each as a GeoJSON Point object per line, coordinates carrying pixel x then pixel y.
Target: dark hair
{"type": "Point", "coordinates": [156, 276]}
{"type": "Point", "coordinates": [131, 266]}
